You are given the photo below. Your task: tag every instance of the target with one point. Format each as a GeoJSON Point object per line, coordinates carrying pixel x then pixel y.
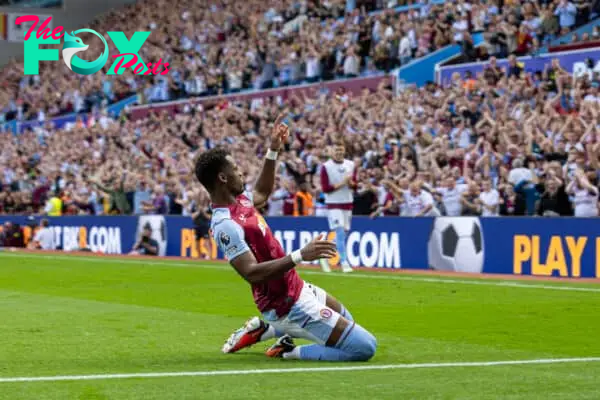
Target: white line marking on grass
{"type": "Point", "coordinates": [294, 370]}
{"type": "Point", "coordinates": [477, 282]}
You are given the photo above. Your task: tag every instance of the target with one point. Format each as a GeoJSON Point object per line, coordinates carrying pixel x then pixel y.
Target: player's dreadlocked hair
{"type": "Point", "coordinates": [208, 165]}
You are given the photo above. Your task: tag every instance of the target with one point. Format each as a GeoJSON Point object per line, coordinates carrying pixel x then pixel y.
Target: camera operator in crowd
{"type": "Point", "coordinates": [145, 246]}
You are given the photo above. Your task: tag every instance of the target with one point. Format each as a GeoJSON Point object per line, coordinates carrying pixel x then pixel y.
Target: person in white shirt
{"type": "Point", "coordinates": [276, 201]}
{"type": "Point", "coordinates": [404, 49]}
{"type": "Point", "coordinates": [451, 195]}
{"type": "Point", "coordinates": [313, 67]}
{"type": "Point", "coordinates": [519, 173]}
{"type": "Point", "coordinates": [337, 177]}
{"type": "Point", "coordinates": [585, 195]}
{"type": "Point", "coordinates": [490, 200]}
{"type": "Point", "coordinates": [459, 27]}
{"type": "Point", "coordinates": [351, 64]}
{"type": "Point", "coordinates": [44, 238]}
{"type": "Point", "coordinates": [417, 201]}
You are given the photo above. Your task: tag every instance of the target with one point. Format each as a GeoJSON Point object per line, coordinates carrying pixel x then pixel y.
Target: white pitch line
{"type": "Point", "coordinates": [293, 370]}
{"type": "Point", "coordinates": [477, 282]}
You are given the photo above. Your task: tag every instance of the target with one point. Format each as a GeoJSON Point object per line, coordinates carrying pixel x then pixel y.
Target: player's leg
{"type": "Point", "coordinates": [327, 299]}
{"type": "Point", "coordinates": [341, 245]}
{"type": "Point", "coordinates": [257, 330]}
{"type": "Point", "coordinates": [254, 330]}
{"type": "Point", "coordinates": [335, 220]}
{"type": "Point", "coordinates": [336, 338]}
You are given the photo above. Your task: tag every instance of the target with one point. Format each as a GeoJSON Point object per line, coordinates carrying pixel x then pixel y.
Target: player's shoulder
{"type": "Point", "coordinates": [223, 226]}
{"type": "Point", "coordinates": [219, 216]}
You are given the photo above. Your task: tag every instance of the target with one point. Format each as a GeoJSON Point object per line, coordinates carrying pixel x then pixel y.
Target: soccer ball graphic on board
{"type": "Point", "coordinates": [456, 244]}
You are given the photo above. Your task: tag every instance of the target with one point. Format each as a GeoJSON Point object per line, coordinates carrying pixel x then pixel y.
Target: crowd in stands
{"type": "Point", "coordinates": [222, 46]}
{"type": "Point", "coordinates": [504, 141]}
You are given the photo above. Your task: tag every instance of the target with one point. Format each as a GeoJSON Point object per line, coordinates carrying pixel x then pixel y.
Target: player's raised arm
{"type": "Point", "coordinates": [230, 237]}
{"type": "Point", "coordinates": [266, 180]}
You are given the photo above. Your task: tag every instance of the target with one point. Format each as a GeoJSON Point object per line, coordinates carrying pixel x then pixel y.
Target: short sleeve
{"type": "Point", "coordinates": [230, 239]}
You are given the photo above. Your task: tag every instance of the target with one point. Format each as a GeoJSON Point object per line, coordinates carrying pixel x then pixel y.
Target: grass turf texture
{"type": "Point", "coordinates": [72, 316]}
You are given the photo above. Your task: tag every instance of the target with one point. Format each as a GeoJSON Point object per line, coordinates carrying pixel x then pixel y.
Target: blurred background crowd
{"type": "Point", "coordinates": [226, 46]}
{"type": "Point", "coordinates": [502, 142]}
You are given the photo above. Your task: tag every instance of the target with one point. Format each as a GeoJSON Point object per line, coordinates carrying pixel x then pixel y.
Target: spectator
{"type": "Point", "coordinates": [11, 235]}
{"type": "Point", "coordinates": [514, 67]}
{"type": "Point", "coordinates": [489, 199]}
{"type": "Point", "coordinates": [404, 51]}
{"type": "Point", "coordinates": [554, 201]}
{"type": "Point", "coordinates": [351, 64]}
{"type": "Point", "coordinates": [118, 203]}
{"type": "Point", "coordinates": [470, 201]}
{"type": "Point", "coordinates": [54, 206]}
{"type": "Point", "coordinates": [585, 195]}
{"type": "Point", "coordinates": [304, 204]}
{"type": "Point", "coordinates": [44, 237]}
{"type": "Point", "coordinates": [145, 245]}
{"type": "Point", "coordinates": [566, 12]}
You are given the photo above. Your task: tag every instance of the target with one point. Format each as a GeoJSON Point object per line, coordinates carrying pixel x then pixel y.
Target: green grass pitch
{"type": "Point", "coordinates": [72, 316]}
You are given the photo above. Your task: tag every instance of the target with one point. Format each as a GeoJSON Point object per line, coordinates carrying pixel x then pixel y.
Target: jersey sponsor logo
{"type": "Point", "coordinates": [224, 238]}
{"type": "Point", "coordinates": [325, 313]}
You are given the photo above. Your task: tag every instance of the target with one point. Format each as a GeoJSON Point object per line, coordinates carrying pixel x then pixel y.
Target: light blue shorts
{"type": "Point", "coordinates": [309, 317]}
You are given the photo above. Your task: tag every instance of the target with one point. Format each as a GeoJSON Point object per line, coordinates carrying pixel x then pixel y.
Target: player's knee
{"type": "Point", "coordinates": [361, 344]}
{"type": "Point", "coordinates": [367, 348]}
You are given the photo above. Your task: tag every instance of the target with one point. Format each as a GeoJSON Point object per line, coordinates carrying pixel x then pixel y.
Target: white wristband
{"type": "Point", "coordinates": [297, 257]}
{"type": "Point", "coordinates": [272, 155]}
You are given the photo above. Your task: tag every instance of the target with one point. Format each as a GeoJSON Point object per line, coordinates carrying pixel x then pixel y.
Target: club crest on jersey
{"type": "Point", "coordinates": [224, 238]}
{"type": "Point", "coordinates": [325, 313]}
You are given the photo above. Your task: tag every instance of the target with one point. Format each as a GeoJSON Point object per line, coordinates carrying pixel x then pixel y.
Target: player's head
{"type": "Point", "coordinates": [339, 151]}
{"type": "Point", "coordinates": [217, 171]}
{"type": "Point", "coordinates": [44, 223]}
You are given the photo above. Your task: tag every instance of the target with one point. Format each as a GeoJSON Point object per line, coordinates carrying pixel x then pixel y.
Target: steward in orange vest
{"type": "Point", "coordinates": [303, 202]}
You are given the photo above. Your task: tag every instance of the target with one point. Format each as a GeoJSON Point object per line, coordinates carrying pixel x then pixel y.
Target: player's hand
{"type": "Point", "coordinates": [280, 133]}
{"type": "Point", "coordinates": [318, 249]}
{"type": "Point", "coordinates": [346, 181]}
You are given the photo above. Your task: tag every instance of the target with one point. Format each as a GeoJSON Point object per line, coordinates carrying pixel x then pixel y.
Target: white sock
{"type": "Point", "coordinates": [294, 354]}
{"type": "Point", "coordinates": [269, 334]}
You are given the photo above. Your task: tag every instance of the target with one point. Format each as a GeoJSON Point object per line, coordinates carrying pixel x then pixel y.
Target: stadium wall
{"type": "Point", "coordinates": [559, 247]}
